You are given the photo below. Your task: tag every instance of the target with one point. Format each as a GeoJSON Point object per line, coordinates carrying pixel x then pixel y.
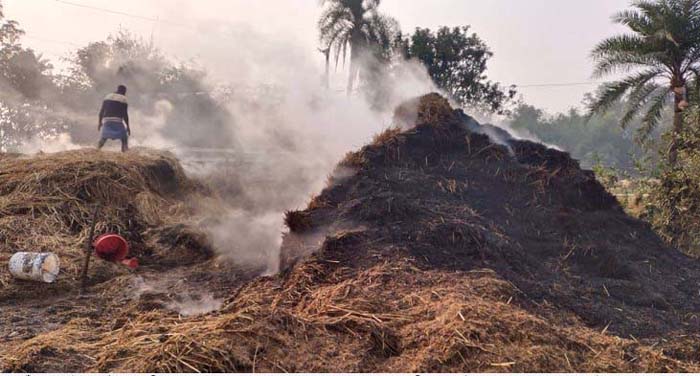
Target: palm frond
{"type": "Point", "coordinates": [332, 19]}
{"type": "Point", "coordinates": [625, 63]}
{"type": "Point", "coordinates": [694, 86]}
{"type": "Point", "coordinates": [636, 101]}
{"type": "Point", "coordinates": [654, 113]}
{"type": "Point", "coordinates": [371, 5]}
{"type": "Point", "coordinates": [609, 94]}
{"type": "Point", "coordinates": [624, 52]}
{"type": "Point", "coordinates": [624, 43]}
{"type": "Point", "coordinates": [635, 20]}
{"type": "Point", "coordinates": [612, 92]}
{"type": "Point", "coordinates": [650, 9]}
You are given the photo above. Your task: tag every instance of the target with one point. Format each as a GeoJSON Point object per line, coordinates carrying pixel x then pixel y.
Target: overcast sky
{"type": "Point", "coordinates": [535, 42]}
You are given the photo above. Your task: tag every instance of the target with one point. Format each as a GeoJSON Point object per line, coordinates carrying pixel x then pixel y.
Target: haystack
{"type": "Point", "coordinates": [453, 195]}
{"type": "Point", "coordinates": [47, 201]}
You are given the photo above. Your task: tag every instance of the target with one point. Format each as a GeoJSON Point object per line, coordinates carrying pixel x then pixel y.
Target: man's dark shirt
{"type": "Point", "coordinates": [114, 107]}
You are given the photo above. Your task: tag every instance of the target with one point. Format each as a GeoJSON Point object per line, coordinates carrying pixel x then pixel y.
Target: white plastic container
{"type": "Point", "coordinates": [31, 266]}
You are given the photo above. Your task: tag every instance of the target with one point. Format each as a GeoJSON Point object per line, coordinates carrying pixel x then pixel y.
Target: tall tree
{"type": "Point", "coordinates": [456, 61]}
{"type": "Point", "coordinates": [660, 57]}
{"type": "Point", "coordinates": [21, 69]}
{"type": "Point", "coordinates": [25, 78]}
{"type": "Point", "coordinates": [10, 33]}
{"type": "Point", "coordinates": [357, 26]}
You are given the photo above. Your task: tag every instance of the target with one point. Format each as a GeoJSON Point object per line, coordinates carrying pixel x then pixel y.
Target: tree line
{"type": "Point", "coordinates": [595, 141]}
{"type": "Point", "coordinates": [455, 59]}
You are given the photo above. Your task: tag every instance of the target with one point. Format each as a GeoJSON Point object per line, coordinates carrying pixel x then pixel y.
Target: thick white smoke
{"type": "Point", "coordinates": [291, 139]}
{"type": "Point", "coordinates": [289, 132]}
{"type": "Point", "coordinates": [49, 144]}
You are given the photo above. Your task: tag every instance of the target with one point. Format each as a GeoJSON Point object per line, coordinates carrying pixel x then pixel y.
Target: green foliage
{"type": "Point", "coordinates": [606, 175]}
{"type": "Point", "coordinates": [22, 71]}
{"type": "Point", "coordinates": [597, 140]}
{"type": "Point", "coordinates": [29, 74]}
{"type": "Point", "coordinates": [25, 77]}
{"type": "Point", "coordinates": [674, 204]}
{"type": "Point", "coordinates": [9, 34]}
{"type": "Point", "coordinates": [457, 61]}
{"type": "Point", "coordinates": [659, 56]}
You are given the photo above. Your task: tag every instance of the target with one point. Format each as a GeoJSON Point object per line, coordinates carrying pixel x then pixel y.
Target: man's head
{"type": "Point", "coordinates": [121, 89]}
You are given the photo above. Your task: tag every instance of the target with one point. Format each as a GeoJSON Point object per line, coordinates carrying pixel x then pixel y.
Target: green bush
{"type": "Point", "coordinates": [674, 205]}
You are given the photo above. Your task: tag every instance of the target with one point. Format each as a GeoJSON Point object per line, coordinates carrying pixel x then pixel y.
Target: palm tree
{"type": "Point", "coordinates": [326, 75]}
{"type": "Point", "coordinates": [356, 25]}
{"type": "Point", "coordinates": [660, 58]}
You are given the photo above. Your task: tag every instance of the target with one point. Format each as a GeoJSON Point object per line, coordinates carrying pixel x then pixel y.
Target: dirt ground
{"type": "Point", "coordinates": [443, 246]}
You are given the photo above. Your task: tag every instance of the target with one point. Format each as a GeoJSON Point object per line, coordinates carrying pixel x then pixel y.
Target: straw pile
{"type": "Point", "coordinates": [47, 201]}
{"type": "Point", "coordinates": [324, 317]}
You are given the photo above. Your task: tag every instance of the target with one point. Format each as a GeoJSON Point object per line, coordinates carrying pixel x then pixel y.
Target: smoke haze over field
{"type": "Point", "coordinates": [261, 129]}
{"type": "Point", "coordinates": [291, 136]}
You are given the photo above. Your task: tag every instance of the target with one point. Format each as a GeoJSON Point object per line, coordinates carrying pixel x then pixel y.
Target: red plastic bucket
{"type": "Point", "coordinates": [114, 248]}
{"type": "Point", "coordinates": [111, 247]}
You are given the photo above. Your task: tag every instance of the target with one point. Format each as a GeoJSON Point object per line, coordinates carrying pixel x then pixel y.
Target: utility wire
{"type": "Point", "coordinates": [55, 41]}
{"type": "Point", "coordinates": [565, 84]}
{"type": "Point", "coordinates": [125, 14]}
{"type": "Point", "coordinates": [145, 18]}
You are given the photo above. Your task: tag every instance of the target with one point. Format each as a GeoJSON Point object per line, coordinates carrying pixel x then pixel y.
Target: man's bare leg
{"type": "Point", "coordinates": [125, 144]}
{"type": "Point", "coordinates": [101, 143]}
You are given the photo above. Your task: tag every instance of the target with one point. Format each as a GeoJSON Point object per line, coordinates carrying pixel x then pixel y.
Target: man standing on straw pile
{"type": "Point", "coordinates": [114, 119]}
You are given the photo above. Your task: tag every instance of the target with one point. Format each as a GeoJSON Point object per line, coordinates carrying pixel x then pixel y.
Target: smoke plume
{"type": "Point", "coordinates": [261, 128]}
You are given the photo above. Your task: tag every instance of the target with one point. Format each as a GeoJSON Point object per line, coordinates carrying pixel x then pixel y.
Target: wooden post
{"type": "Point", "coordinates": [88, 250]}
